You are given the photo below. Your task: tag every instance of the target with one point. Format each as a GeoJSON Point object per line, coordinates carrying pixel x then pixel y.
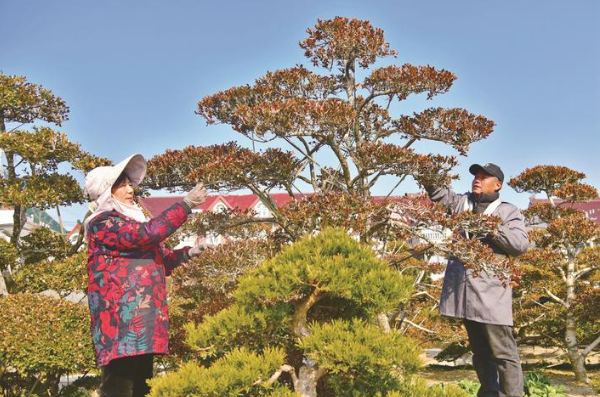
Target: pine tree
{"type": "Point", "coordinates": [304, 323]}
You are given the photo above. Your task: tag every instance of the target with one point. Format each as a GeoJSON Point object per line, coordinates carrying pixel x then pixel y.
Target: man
{"type": "Point", "coordinates": [484, 304]}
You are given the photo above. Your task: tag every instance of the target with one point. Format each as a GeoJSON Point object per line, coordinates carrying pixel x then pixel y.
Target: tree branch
{"type": "Point", "coordinates": [425, 293]}
{"type": "Point", "coordinates": [556, 298]}
{"type": "Point", "coordinates": [311, 164]}
{"type": "Point", "coordinates": [81, 236]}
{"type": "Point", "coordinates": [277, 374]}
{"type": "Point", "coordinates": [373, 95]}
{"type": "Point", "coordinates": [394, 188]}
{"type": "Point", "coordinates": [16, 128]}
{"type": "Point", "coordinates": [343, 163]}
{"type": "Point", "coordinates": [561, 271]}
{"type": "Point", "coordinates": [582, 272]}
{"type": "Point", "coordinates": [374, 179]}
{"type": "Point", "coordinates": [410, 142]}
{"type": "Point", "coordinates": [245, 222]}
{"type": "Point", "coordinates": [305, 180]}
{"type": "Point", "coordinates": [419, 327]}
{"type": "Point", "coordinates": [299, 321]}
{"type": "Point", "coordinates": [591, 347]}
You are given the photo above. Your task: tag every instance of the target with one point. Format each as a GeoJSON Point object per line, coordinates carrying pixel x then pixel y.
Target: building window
{"type": "Point", "coordinates": [261, 211]}
{"type": "Point", "coordinates": [220, 207]}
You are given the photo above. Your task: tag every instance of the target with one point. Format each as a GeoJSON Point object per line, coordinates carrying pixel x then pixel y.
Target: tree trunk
{"type": "Point", "coordinates": [53, 382]}
{"type": "Point", "coordinates": [19, 219]}
{"type": "Point", "coordinates": [299, 321]}
{"type": "Point", "coordinates": [384, 322]}
{"type": "Point", "coordinates": [60, 221]}
{"type": "Point", "coordinates": [306, 383]}
{"type": "Point", "coordinates": [11, 175]}
{"type": "Point", "coordinates": [575, 356]}
{"type": "Point", "coordinates": [3, 289]}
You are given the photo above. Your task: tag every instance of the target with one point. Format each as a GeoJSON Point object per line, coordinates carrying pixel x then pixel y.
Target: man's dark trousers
{"type": "Point", "coordinates": [496, 359]}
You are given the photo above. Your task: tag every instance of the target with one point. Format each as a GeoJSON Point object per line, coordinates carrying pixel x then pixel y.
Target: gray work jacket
{"type": "Point", "coordinates": [483, 298]}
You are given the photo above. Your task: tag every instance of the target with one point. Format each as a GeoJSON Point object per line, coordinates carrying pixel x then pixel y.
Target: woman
{"type": "Point", "coordinates": [127, 265]}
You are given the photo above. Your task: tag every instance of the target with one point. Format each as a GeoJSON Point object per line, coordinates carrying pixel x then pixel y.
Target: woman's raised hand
{"type": "Point", "coordinates": [197, 250]}
{"type": "Point", "coordinates": [196, 196]}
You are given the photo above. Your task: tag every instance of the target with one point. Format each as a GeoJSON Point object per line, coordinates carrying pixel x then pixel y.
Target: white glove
{"type": "Point", "coordinates": [196, 250]}
{"type": "Point", "coordinates": [196, 196]}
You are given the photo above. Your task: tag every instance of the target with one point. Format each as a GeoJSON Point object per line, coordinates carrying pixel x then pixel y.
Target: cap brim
{"type": "Point", "coordinates": [475, 168]}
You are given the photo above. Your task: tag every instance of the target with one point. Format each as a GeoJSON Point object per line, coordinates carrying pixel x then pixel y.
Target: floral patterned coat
{"type": "Point", "coordinates": [127, 265]}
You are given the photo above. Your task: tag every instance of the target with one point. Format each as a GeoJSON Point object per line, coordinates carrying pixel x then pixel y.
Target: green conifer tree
{"type": "Point", "coordinates": [304, 323]}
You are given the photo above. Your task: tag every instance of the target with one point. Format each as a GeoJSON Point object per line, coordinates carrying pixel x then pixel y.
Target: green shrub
{"type": "Point", "coordinates": [8, 254]}
{"type": "Point", "coordinates": [41, 339]}
{"type": "Point", "coordinates": [8, 259]}
{"type": "Point", "coordinates": [418, 388]}
{"type": "Point", "coordinates": [63, 275]}
{"type": "Point", "coordinates": [42, 244]}
{"type": "Point", "coordinates": [537, 385]}
{"type": "Point", "coordinates": [82, 387]}
{"type": "Point", "coordinates": [470, 387]}
{"type": "Point", "coordinates": [239, 373]}
{"type": "Point", "coordinates": [360, 358]}
{"type": "Point", "coordinates": [596, 384]}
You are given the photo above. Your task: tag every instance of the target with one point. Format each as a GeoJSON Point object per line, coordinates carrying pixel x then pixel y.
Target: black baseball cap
{"type": "Point", "coordinates": [488, 168]}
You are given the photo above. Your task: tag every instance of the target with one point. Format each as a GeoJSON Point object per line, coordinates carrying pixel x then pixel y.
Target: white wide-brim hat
{"type": "Point", "coordinates": [98, 180]}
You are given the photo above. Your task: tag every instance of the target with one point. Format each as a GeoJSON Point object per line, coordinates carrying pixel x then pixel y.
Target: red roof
{"type": "Point", "coordinates": [591, 208]}
{"type": "Point", "coordinates": [243, 201]}
{"type": "Point", "coordinates": [155, 205]}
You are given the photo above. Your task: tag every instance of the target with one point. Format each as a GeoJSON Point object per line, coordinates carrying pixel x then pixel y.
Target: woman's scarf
{"type": "Point", "coordinates": [107, 202]}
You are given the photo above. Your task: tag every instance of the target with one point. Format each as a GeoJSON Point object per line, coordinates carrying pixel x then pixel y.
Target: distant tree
{"type": "Point", "coordinates": [30, 176]}
{"type": "Point", "coordinates": [560, 278]}
{"type": "Point", "coordinates": [41, 337]}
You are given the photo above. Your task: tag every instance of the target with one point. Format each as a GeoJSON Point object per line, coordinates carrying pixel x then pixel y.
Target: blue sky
{"type": "Point", "coordinates": [132, 72]}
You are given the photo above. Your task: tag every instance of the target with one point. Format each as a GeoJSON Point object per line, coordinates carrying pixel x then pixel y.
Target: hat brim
{"type": "Point", "coordinates": [134, 167]}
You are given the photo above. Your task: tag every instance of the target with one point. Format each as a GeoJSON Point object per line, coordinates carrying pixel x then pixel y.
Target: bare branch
{"type": "Point", "coordinates": [277, 374]}
{"type": "Point", "coordinates": [343, 162]}
{"type": "Point", "coordinates": [583, 272]}
{"type": "Point", "coordinates": [243, 222]}
{"type": "Point", "coordinates": [410, 142]}
{"type": "Point", "coordinates": [373, 180]}
{"type": "Point", "coordinates": [555, 298]}
{"type": "Point", "coordinates": [424, 293]}
{"type": "Point", "coordinates": [16, 128]}
{"type": "Point", "coordinates": [311, 164]}
{"type": "Point", "coordinates": [561, 271]}
{"type": "Point", "coordinates": [419, 327]}
{"type": "Point", "coordinates": [394, 188]}
{"type": "Point", "coordinates": [591, 346]}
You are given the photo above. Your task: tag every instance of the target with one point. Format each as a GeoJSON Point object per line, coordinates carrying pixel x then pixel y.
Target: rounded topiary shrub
{"type": "Point", "coordinates": [41, 339]}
